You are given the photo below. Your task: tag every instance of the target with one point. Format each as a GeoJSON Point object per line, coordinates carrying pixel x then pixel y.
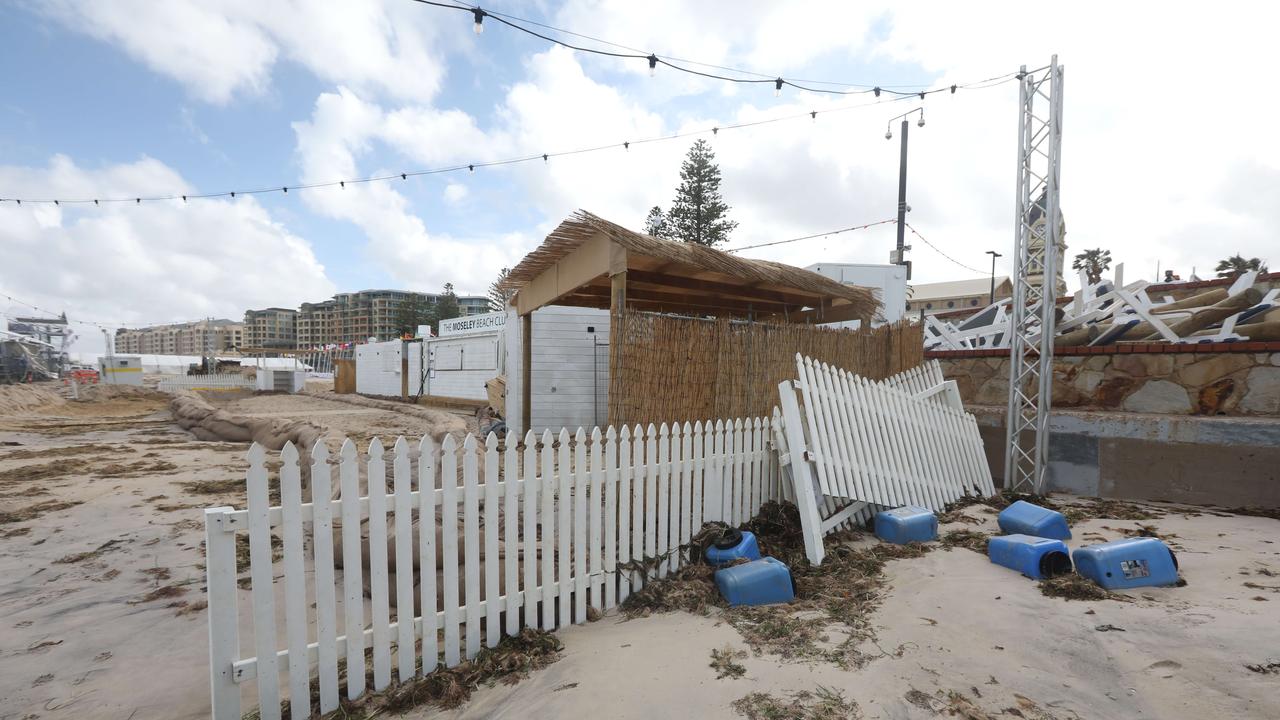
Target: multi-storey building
{"type": "Point", "coordinates": [195, 338]}
{"type": "Point", "coordinates": [357, 316]}
{"type": "Point", "coordinates": [271, 329]}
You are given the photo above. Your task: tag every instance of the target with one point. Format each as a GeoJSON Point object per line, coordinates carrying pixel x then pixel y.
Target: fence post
{"type": "Point", "coordinates": [224, 634]}
{"type": "Point", "coordinates": [802, 483]}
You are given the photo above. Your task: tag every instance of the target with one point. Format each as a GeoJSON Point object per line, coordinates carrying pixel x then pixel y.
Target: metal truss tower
{"type": "Point", "coordinates": [1037, 237]}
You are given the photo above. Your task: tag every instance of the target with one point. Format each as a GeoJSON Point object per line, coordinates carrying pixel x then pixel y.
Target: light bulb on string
{"type": "Point", "coordinates": [479, 16]}
{"type": "Point", "coordinates": [777, 87]}
{"type": "Point", "coordinates": [653, 65]}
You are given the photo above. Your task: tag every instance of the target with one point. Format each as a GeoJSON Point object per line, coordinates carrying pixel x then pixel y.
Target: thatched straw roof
{"type": "Point", "coordinates": [689, 262]}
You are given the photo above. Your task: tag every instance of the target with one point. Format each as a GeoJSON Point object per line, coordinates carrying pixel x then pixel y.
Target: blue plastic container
{"type": "Point", "coordinates": [1024, 518]}
{"type": "Point", "coordinates": [733, 546]}
{"type": "Point", "coordinates": [1035, 557]}
{"type": "Point", "coordinates": [906, 524]}
{"type": "Point", "coordinates": [1129, 563]}
{"type": "Point", "coordinates": [759, 582]}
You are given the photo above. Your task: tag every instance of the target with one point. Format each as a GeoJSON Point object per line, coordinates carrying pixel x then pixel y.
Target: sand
{"type": "Point", "coordinates": [101, 563]}
{"type": "Point", "coordinates": [101, 591]}
{"type": "Point", "coordinates": [968, 627]}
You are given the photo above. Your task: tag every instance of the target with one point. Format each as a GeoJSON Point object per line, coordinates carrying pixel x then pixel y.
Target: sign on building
{"type": "Point", "coordinates": [469, 324]}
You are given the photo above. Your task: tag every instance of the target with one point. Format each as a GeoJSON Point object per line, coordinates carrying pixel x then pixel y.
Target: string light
{"type": "Point", "coordinates": [479, 16]}
{"type": "Point", "coordinates": [777, 87]}
{"type": "Point", "coordinates": [935, 249]}
{"type": "Point", "coordinates": [890, 221]}
{"type": "Point", "coordinates": [675, 63]}
{"type": "Point", "coordinates": [471, 167]}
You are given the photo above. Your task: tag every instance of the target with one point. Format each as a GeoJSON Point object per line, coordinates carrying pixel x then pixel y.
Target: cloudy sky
{"type": "Point", "coordinates": [1169, 152]}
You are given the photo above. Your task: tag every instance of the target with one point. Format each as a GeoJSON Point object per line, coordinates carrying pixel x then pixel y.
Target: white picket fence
{"type": "Point", "coordinates": [885, 444]}
{"type": "Point", "coordinates": [564, 524]}
{"type": "Point", "coordinates": [218, 381]}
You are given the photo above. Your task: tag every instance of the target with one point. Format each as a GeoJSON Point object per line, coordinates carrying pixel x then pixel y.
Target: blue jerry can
{"type": "Point", "coordinates": [903, 525]}
{"type": "Point", "coordinates": [1035, 557]}
{"type": "Point", "coordinates": [1024, 518]}
{"type": "Point", "coordinates": [759, 582]}
{"type": "Point", "coordinates": [1129, 563]}
{"type": "Point", "coordinates": [732, 545]}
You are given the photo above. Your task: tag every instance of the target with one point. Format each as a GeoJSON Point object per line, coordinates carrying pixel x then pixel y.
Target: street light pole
{"type": "Point", "coordinates": [898, 257]}
{"type": "Point", "coordinates": [993, 255]}
{"type": "Point", "coordinates": [902, 197]}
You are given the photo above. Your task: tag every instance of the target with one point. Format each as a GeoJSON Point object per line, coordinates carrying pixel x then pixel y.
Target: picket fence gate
{"type": "Point", "coordinates": [864, 445]}
{"type": "Point", "coordinates": [602, 516]}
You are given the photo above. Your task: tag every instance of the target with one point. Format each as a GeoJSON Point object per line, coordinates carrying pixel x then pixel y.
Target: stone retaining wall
{"type": "Point", "coordinates": [1216, 379]}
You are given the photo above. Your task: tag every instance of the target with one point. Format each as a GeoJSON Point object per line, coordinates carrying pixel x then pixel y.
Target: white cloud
{"type": "Point", "coordinates": [154, 262]}
{"type": "Point", "coordinates": [221, 48]}
{"type": "Point", "coordinates": [455, 193]}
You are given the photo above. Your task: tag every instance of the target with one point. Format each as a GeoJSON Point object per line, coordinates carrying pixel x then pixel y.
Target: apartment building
{"type": "Point", "coordinates": [271, 329]}
{"type": "Point", "coordinates": [195, 338]}
{"type": "Point", "coordinates": [357, 316]}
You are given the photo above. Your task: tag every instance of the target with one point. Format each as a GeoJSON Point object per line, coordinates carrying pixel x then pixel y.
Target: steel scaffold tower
{"type": "Point", "coordinates": [1032, 328]}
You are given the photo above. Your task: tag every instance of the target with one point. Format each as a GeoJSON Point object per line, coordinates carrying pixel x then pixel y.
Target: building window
{"type": "Point", "coordinates": [951, 303]}
{"type": "Point", "coordinates": [928, 306]}
{"type": "Point", "coordinates": [973, 302]}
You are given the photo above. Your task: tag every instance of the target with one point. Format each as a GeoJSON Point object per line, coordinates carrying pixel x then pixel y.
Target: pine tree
{"type": "Point", "coordinates": [655, 223]}
{"type": "Point", "coordinates": [446, 307]}
{"type": "Point", "coordinates": [411, 313]}
{"type": "Point", "coordinates": [499, 298]}
{"type": "Point", "coordinates": [698, 213]}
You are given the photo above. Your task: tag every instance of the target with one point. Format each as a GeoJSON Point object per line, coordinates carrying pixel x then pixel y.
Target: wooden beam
{"type": "Point", "coordinates": [680, 300]}
{"type": "Point", "coordinates": [593, 259]}
{"type": "Point", "coordinates": [641, 277]}
{"type": "Point", "coordinates": [526, 372]}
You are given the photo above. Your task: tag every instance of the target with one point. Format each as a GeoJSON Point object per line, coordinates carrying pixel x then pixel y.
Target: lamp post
{"type": "Point", "coordinates": [897, 258]}
{"type": "Point", "coordinates": [993, 255]}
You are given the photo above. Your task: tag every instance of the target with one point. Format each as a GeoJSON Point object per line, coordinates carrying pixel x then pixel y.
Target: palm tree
{"type": "Point", "coordinates": [1237, 265]}
{"type": "Point", "coordinates": [1094, 262]}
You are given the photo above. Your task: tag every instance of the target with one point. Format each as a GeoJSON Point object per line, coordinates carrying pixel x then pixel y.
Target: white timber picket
{"type": "Point", "coordinates": [700, 439]}
{"type": "Point", "coordinates": [582, 478]}
{"type": "Point", "coordinates": [548, 525]}
{"type": "Point", "coordinates": [471, 544]}
{"type": "Point", "coordinates": [564, 557]}
{"type": "Point", "coordinates": [379, 601]}
{"type": "Point", "coordinates": [264, 611]}
{"type": "Point", "coordinates": [686, 484]}
{"type": "Point", "coordinates": [427, 552]}
{"type": "Point", "coordinates": [663, 512]}
{"type": "Point", "coordinates": [224, 637]}
{"type": "Point", "coordinates": [322, 568]}
{"type": "Point", "coordinates": [595, 498]}
{"type": "Point", "coordinates": [492, 592]}
{"type": "Point", "coordinates": [865, 471]}
{"type": "Point", "coordinates": [625, 503]}
{"type": "Point", "coordinates": [295, 583]}
{"type": "Point", "coordinates": [616, 510]}
{"type": "Point", "coordinates": [529, 551]}
{"type": "Point", "coordinates": [511, 536]}
{"type": "Point", "coordinates": [609, 566]}
{"type": "Point", "coordinates": [402, 483]}
{"type": "Point", "coordinates": [653, 477]}
{"type": "Point", "coordinates": [352, 569]}
{"type": "Point", "coordinates": [449, 549]}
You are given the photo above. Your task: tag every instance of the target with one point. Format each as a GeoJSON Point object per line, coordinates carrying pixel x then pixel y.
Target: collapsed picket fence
{"type": "Point", "coordinates": [863, 445]}
{"type": "Point", "coordinates": [547, 531]}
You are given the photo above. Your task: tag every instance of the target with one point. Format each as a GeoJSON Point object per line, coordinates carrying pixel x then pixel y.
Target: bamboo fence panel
{"type": "Point", "coordinates": [666, 367]}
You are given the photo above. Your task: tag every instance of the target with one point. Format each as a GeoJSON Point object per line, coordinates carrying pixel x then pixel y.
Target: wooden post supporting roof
{"type": "Point", "coordinates": [526, 372]}
{"type": "Point", "coordinates": [617, 334]}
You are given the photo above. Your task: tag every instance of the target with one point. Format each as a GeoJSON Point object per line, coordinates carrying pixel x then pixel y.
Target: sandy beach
{"type": "Point", "coordinates": [101, 601]}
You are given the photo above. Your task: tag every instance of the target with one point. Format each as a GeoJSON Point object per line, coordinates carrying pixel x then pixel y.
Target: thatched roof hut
{"type": "Point", "coordinates": [580, 261]}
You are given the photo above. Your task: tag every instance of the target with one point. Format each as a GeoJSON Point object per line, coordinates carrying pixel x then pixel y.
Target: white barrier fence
{"type": "Point", "coordinates": [547, 531]}
{"type": "Point", "coordinates": [858, 441]}
{"type": "Point", "coordinates": [219, 381]}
